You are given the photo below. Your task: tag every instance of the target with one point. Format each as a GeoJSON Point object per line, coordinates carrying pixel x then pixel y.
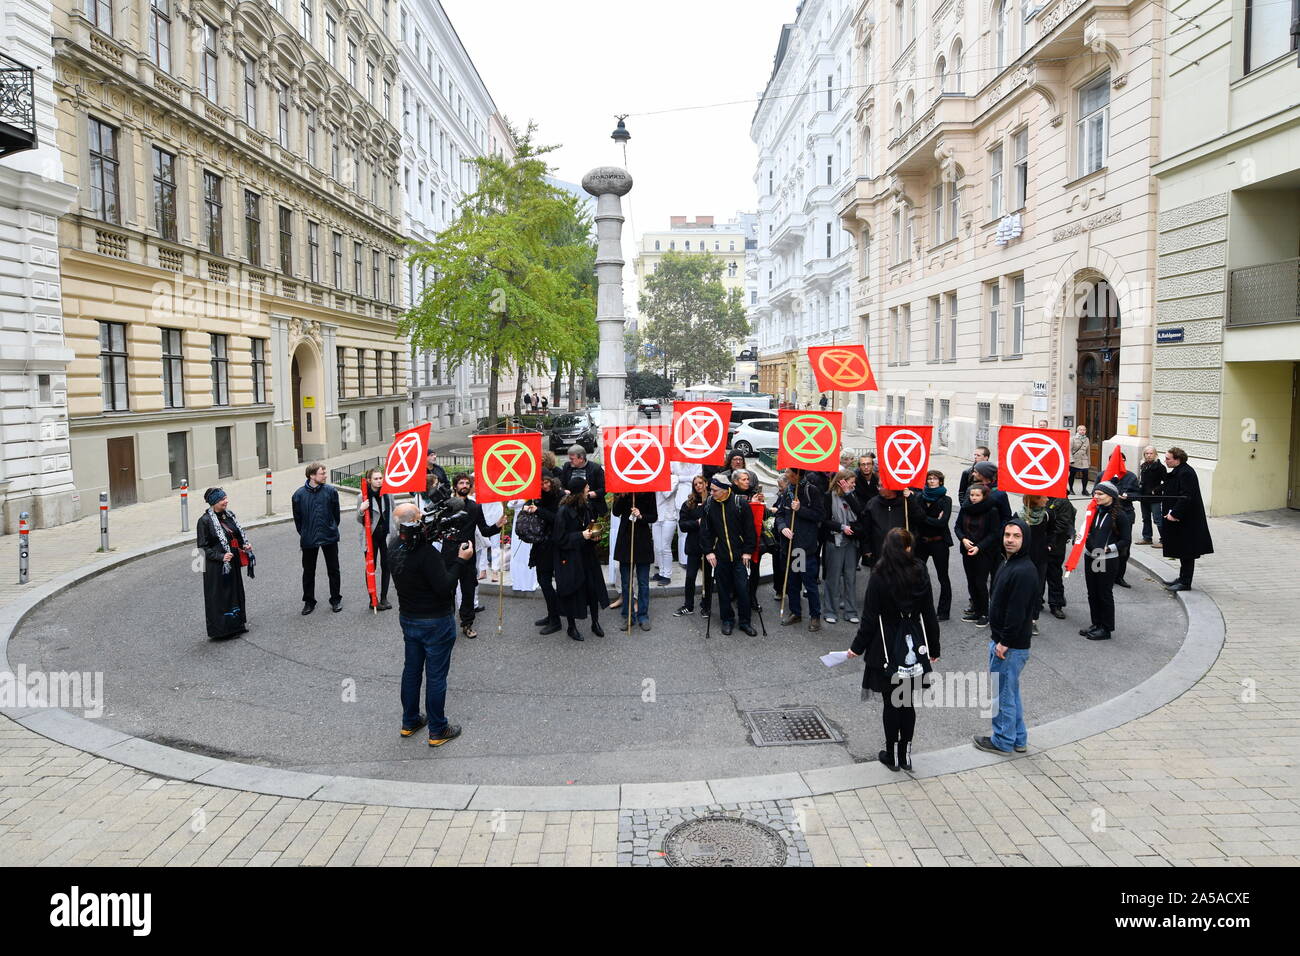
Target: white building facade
{"type": "Point", "coordinates": [35, 462]}
{"type": "Point", "coordinates": [448, 118]}
{"type": "Point", "coordinates": [804, 258]}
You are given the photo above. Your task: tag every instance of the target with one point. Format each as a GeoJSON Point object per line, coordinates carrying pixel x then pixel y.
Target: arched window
{"type": "Point", "coordinates": [958, 60]}
{"type": "Point", "coordinates": [866, 152]}
{"type": "Point", "coordinates": [911, 108]}
{"type": "Point", "coordinates": [1000, 38]}
{"type": "Point", "coordinates": [656, 245]}
{"type": "Point", "coordinates": [941, 72]}
{"type": "Point", "coordinates": [898, 120]}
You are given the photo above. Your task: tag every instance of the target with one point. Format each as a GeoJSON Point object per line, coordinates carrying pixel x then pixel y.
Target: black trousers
{"type": "Point", "coordinates": [1101, 591]}
{"type": "Point", "coordinates": [1055, 579]}
{"type": "Point", "coordinates": [937, 552]}
{"type": "Point", "coordinates": [383, 573]}
{"type": "Point", "coordinates": [546, 581]}
{"type": "Point", "coordinates": [693, 564]}
{"type": "Point", "coordinates": [309, 556]}
{"type": "Point", "coordinates": [978, 569]}
{"type": "Point", "coordinates": [1083, 475]}
{"type": "Point", "coordinates": [1186, 568]}
{"type": "Point", "coordinates": [467, 576]}
{"type": "Point", "coordinates": [733, 582]}
{"type": "Point", "coordinates": [899, 719]}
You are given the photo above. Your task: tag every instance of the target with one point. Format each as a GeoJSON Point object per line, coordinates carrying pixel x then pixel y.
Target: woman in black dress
{"type": "Point", "coordinates": [899, 637]}
{"type": "Point", "coordinates": [541, 556]}
{"type": "Point", "coordinates": [579, 584]}
{"type": "Point", "coordinates": [225, 550]}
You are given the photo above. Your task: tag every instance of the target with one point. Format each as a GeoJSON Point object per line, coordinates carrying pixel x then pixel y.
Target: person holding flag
{"type": "Point", "coordinates": [374, 514]}
{"type": "Point", "coordinates": [634, 548]}
{"type": "Point", "coordinates": [1108, 537]}
{"type": "Point", "coordinates": [799, 519]}
{"type": "Point", "coordinates": [727, 541]}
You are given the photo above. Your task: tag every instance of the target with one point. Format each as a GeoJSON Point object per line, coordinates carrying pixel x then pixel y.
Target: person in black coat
{"type": "Point", "coordinates": [1011, 607]}
{"type": "Point", "coordinates": [890, 509]}
{"type": "Point", "coordinates": [380, 508]}
{"type": "Point", "coordinates": [1185, 534]}
{"type": "Point", "coordinates": [986, 473]}
{"type": "Point", "coordinates": [1129, 487]}
{"type": "Point", "coordinates": [225, 551]}
{"type": "Point", "coordinates": [727, 542]}
{"type": "Point", "coordinates": [933, 539]}
{"type": "Point", "coordinates": [1061, 512]}
{"type": "Point", "coordinates": [638, 510]}
{"type": "Point", "coordinates": [1152, 473]}
{"type": "Point", "coordinates": [591, 472]}
{"type": "Point", "coordinates": [579, 583]}
{"type": "Point", "coordinates": [1038, 522]}
{"type": "Point", "coordinates": [541, 556]}
{"type": "Point", "coordinates": [688, 522]}
{"type": "Point", "coordinates": [1108, 536]}
{"type": "Point", "coordinates": [748, 492]}
{"type": "Point", "coordinates": [981, 454]}
{"type": "Point", "coordinates": [316, 516]}
{"type": "Point", "coordinates": [977, 527]}
{"type": "Point", "coordinates": [799, 519]}
{"type": "Point", "coordinates": [899, 638]}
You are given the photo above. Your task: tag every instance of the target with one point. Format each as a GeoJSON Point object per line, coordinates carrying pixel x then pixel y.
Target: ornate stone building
{"type": "Point", "coordinates": [1004, 215]}
{"type": "Point", "coordinates": [231, 265]}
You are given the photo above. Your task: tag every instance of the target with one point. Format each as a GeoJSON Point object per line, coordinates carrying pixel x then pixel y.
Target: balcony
{"type": "Point", "coordinates": [790, 233]}
{"type": "Point", "coordinates": [951, 116]}
{"type": "Point", "coordinates": [17, 107]}
{"type": "Point", "coordinates": [1264, 295]}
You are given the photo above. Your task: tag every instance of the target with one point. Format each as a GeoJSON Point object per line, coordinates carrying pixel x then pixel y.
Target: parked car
{"type": "Point", "coordinates": [649, 407]}
{"type": "Point", "coordinates": [576, 428]}
{"type": "Point", "coordinates": [740, 416]}
{"type": "Point", "coordinates": [757, 434]}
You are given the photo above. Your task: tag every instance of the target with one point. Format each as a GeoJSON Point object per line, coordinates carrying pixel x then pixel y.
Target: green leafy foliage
{"type": "Point", "coordinates": [694, 322]}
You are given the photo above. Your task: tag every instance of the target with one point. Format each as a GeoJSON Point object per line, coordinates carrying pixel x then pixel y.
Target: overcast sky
{"type": "Point", "coordinates": [573, 66]}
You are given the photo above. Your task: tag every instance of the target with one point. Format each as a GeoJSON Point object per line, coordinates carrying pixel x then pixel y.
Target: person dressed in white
{"type": "Point", "coordinates": [684, 473]}
{"type": "Point", "coordinates": [489, 553]}
{"type": "Point", "coordinates": [522, 577]}
{"type": "Point", "coordinates": [664, 529]}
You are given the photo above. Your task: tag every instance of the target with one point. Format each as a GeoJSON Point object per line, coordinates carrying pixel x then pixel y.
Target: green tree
{"type": "Point", "coordinates": [694, 321]}
{"type": "Point", "coordinates": [513, 277]}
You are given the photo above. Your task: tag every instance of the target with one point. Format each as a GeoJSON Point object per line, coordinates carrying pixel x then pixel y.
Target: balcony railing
{"type": "Point", "coordinates": [1264, 295]}
{"type": "Point", "coordinates": [17, 107]}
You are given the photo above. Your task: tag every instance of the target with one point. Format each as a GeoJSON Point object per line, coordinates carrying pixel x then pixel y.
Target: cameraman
{"type": "Point", "coordinates": [426, 592]}
{"type": "Point", "coordinates": [464, 532]}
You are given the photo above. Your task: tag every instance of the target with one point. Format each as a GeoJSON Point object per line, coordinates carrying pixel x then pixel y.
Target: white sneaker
{"type": "Point", "coordinates": [828, 618]}
{"type": "Point", "coordinates": [854, 619]}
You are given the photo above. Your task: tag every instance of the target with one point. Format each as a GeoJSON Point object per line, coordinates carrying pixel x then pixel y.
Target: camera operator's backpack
{"type": "Point", "coordinates": [530, 528]}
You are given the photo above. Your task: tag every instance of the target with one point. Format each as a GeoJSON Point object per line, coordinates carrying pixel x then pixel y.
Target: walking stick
{"type": "Point", "coordinates": [785, 581]}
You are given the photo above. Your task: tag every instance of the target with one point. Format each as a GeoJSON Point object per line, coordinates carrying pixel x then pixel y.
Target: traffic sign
{"type": "Point", "coordinates": [404, 466]}
{"type": "Point", "coordinates": [507, 467]}
{"type": "Point", "coordinates": [700, 432]}
{"type": "Point", "coordinates": [1034, 461]}
{"type": "Point", "coordinates": [636, 459]}
{"type": "Point", "coordinates": [841, 368]}
{"type": "Point", "coordinates": [808, 440]}
{"type": "Point", "coordinates": [904, 455]}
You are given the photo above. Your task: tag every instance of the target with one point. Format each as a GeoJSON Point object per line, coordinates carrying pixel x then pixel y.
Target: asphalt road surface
{"type": "Point", "coordinates": [320, 693]}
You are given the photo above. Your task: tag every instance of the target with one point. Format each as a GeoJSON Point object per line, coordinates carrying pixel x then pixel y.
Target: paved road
{"type": "Point", "coordinates": [656, 706]}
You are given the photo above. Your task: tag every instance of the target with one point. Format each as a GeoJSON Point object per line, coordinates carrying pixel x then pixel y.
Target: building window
{"type": "Point", "coordinates": [388, 99]}
{"type": "Point", "coordinates": [220, 371]}
{"type": "Point", "coordinates": [929, 412]}
{"type": "Point", "coordinates": [1020, 171]}
{"type": "Point", "coordinates": [252, 227]}
{"type": "Point", "coordinates": [898, 236]}
{"type": "Point", "coordinates": [336, 252]}
{"type": "Point", "coordinates": [905, 345]}
{"type": "Point", "coordinates": [374, 273]}
{"type": "Point", "coordinates": [995, 182]}
{"type": "Point", "coordinates": [250, 91]}
{"type": "Point", "coordinates": [259, 370]}
{"type": "Point", "coordinates": [364, 440]}
{"type": "Point", "coordinates": [1000, 33]}
{"type": "Point", "coordinates": [103, 172]}
{"type": "Point", "coordinates": [936, 329]}
{"type": "Point", "coordinates": [954, 209]}
{"type": "Point", "coordinates": [283, 112]}
{"type": "Point", "coordinates": [208, 69]}
{"type": "Point", "coordinates": [941, 73]}
{"type": "Point", "coordinates": [1006, 414]}
{"type": "Point", "coordinates": [939, 214]}
{"type": "Point", "coordinates": [982, 423]}
{"type": "Point", "coordinates": [173, 365]}
{"type": "Point", "coordinates": [958, 63]}
{"type": "Point", "coordinates": [341, 361]}
{"type": "Point", "coordinates": [306, 22]}
{"type": "Point", "coordinates": [313, 251]}
{"type": "Point", "coordinates": [334, 153]}
{"type": "Point", "coordinates": [160, 34]}
{"type": "Point", "coordinates": [212, 212]}
{"type": "Point", "coordinates": [392, 280]}
{"type": "Point", "coordinates": [830, 170]}
{"type": "Point", "coordinates": [1268, 31]}
{"type": "Point", "coordinates": [370, 83]}
{"type": "Point", "coordinates": [1018, 315]}
{"type": "Point", "coordinates": [828, 241]}
{"type": "Point", "coordinates": [178, 456]}
{"type": "Point", "coordinates": [311, 136]}
{"type": "Point", "coordinates": [332, 40]}
{"type": "Point", "coordinates": [352, 61]}
{"type": "Point", "coordinates": [261, 437]}
{"type": "Point", "coordinates": [286, 240]}
{"type": "Point", "coordinates": [361, 371]}
{"type": "Point", "coordinates": [1094, 124]}
{"type": "Point", "coordinates": [164, 193]}
{"type": "Point", "coordinates": [100, 13]}
{"type": "Point", "coordinates": [357, 268]}
{"type": "Point", "coordinates": [994, 292]}
{"type": "Point", "coordinates": [952, 325]}
{"type": "Point", "coordinates": [225, 455]}
{"type": "Point", "coordinates": [945, 412]}
{"type": "Point", "coordinates": [393, 360]}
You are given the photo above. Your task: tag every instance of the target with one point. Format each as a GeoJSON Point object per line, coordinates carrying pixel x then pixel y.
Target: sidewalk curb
{"type": "Point", "coordinates": [1200, 648]}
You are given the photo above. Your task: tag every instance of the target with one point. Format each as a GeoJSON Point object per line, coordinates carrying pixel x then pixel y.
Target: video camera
{"type": "Point", "coordinates": [446, 518]}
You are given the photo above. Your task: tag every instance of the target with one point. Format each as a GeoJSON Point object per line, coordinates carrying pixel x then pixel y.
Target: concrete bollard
{"type": "Point", "coordinates": [103, 521]}
{"type": "Point", "coordinates": [185, 505]}
{"type": "Point", "coordinates": [268, 492]}
{"type": "Point", "coordinates": [24, 547]}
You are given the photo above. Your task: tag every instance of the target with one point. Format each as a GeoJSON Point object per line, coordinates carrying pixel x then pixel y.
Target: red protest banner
{"type": "Point", "coordinates": [1034, 461]}
{"type": "Point", "coordinates": [904, 455]}
{"type": "Point", "coordinates": [841, 368]}
{"type": "Point", "coordinates": [507, 467]}
{"type": "Point", "coordinates": [700, 432]}
{"type": "Point", "coordinates": [637, 458]}
{"type": "Point", "coordinates": [404, 466]}
{"type": "Point", "coordinates": [808, 440]}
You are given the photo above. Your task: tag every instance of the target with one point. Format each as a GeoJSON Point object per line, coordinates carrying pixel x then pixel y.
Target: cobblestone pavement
{"type": "Point", "coordinates": [1210, 778]}
{"type": "Point", "coordinates": [642, 833]}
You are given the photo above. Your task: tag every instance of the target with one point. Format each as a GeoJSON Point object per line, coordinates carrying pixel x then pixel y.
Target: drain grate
{"type": "Point", "coordinates": [1254, 524]}
{"type": "Point", "coordinates": [724, 841]}
{"type": "Point", "coordinates": [790, 725]}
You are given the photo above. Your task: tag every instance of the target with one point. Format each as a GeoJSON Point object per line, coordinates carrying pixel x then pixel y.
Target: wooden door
{"type": "Point", "coordinates": [121, 472]}
{"type": "Point", "coordinates": [297, 409]}
{"type": "Point", "coordinates": [1097, 367]}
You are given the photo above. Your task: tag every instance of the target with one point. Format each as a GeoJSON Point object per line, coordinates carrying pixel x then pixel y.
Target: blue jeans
{"type": "Point", "coordinates": [1151, 510]}
{"type": "Point", "coordinates": [428, 648]}
{"type": "Point", "coordinates": [808, 578]}
{"type": "Point", "coordinates": [1009, 721]}
{"type": "Point", "coordinates": [642, 589]}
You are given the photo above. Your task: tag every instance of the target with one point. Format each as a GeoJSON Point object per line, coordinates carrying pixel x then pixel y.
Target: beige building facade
{"type": "Point", "coordinates": [1228, 300]}
{"type": "Point", "coordinates": [231, 279]}
{"type": "Point", "coordinates": [1004, 218]}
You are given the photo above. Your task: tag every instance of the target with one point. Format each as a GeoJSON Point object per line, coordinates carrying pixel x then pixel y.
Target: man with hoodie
{"type": "Point", "coordinates": [316, 516]}
{"type": "Point", "coordinates": [1012, 603]}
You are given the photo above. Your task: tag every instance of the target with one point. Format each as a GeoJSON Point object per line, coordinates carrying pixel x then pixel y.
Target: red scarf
{"type": "Point", "coordinates": [1114, 469]}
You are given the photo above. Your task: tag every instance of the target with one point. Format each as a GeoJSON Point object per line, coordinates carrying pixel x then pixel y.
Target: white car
{"type": "Point", "coordinates": [757, 434]}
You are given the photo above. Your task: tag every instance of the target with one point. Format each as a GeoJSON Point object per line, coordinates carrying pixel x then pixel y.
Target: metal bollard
{"type": "Point", "coordinates": [103, 521]}
{"type": "Point", "coordinates": [268, 492]}
{"type": "Point", "coordinates": [185, 505]}
{"type": "Point", "coordinates": [24, 548]}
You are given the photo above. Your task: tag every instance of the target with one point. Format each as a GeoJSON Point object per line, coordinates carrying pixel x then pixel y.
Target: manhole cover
{"type": "Point", "coordinates": [1255, 524]}
{"type": "Point", "coordinates": [792, 725]}
{"type": "Point", "coordinates": [724, 841]}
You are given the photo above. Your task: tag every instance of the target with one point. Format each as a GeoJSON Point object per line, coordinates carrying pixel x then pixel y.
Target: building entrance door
{"type": "Point", "coordinates": [1097, 376]}
{"type": "Point", "coordinates": [297, 409]}
{"type": "Point", "coordinates": [121, 472]}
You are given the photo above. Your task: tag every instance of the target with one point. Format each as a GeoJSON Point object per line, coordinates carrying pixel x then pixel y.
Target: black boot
{"type": "Point", "coordinates": [886, 756]}
{"type": "Point", "coordinates": [904, 759]}
{"type": "Point", "coordinates": [550, 628]}
{"type": "Point", "coordinates": [596, 628]}
{"type": "Point", "coordinates": [574, 632]}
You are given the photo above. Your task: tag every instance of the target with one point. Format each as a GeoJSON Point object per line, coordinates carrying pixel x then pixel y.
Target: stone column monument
{"type": "Point", "coordinates": [609, 184]}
